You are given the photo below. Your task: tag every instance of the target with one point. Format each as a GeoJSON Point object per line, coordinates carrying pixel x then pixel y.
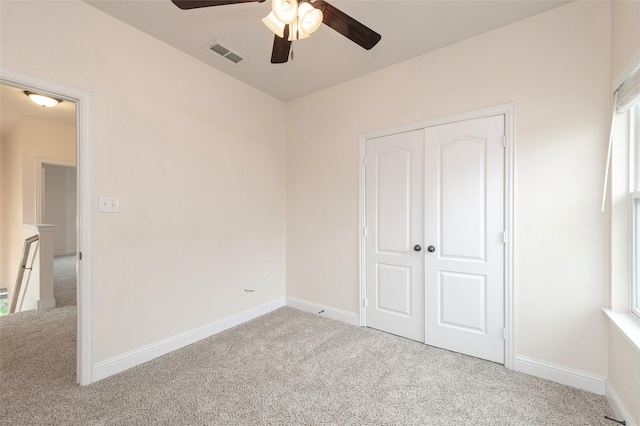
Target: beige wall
{"type": "Point", "coordinates": [200, 177]}
{"type": "Point", "coordinates": [555, 68]}
{"type": "Point", "coordinates": [71, 206]}
{"type": "Point", "coordinates": [31, 139]}
{"type": "Point", "coordinates": [10, 245]}
{"type": "Point", "coordinates": [54, 212]}
{"type": "Point", "coordinates": [1, 211]}
{"type": "Point", "coordinates": [60, 206]}
{"type": "Point", "coordinates": [624, 372]}
{"type": "Point", "coordinates": [625, 37]}
{"type": "Point", "coordinates": [202, 194]}
{"type": "Point", "coordinates": [42, 139]}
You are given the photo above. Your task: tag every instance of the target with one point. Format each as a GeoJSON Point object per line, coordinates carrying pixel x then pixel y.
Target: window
{"type": "Point", "coordinates": [635, 208]}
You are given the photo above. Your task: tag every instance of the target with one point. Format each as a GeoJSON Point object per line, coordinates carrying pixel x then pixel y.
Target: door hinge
{"type": "Point", "coordinates": [364, 160]}
{"type": "Point", "coordinates": [504, 237]}
{"type": "Point", "coordinates": [365, 232]}
{"type": "Point", "coordinates": [504, 141]}
{"type": "Point", "coordinates": [504, 333]}
{"type": "Point", "coordinates": [364, 302]}
{"type": "Point", "coordinates": [79, 255]}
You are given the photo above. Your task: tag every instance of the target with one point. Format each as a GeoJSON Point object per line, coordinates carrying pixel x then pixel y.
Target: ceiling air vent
{"type": "Point", "coordinates": [223, 51]}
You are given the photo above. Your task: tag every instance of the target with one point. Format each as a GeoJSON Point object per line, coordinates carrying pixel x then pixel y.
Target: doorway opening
{"type": "Point", "coordinates": [82, 262]}
{"type": "Point", "coordinates": [57, 205]}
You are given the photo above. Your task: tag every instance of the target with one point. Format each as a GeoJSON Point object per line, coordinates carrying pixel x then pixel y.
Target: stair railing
{"type": "Point", "coordinates": [17, 289]}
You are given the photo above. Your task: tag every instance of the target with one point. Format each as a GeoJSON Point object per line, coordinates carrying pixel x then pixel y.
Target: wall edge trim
{"type": "Point", "coordinates": [617, 405]}
{"type": "Point", "coordinates": [120, 363]}
{"type": "Point", "coordinates": [559, 374]}
{"type": "Point", "coordinates": [329, 312]}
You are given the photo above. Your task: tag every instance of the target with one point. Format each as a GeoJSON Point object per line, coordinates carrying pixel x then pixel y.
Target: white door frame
{"type": "Point", "coordinates": [84, 213]}
{"type": "Point", "coordinates": [508, 110]}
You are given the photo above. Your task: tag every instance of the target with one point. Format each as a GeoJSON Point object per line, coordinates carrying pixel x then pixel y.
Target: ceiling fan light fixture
{"type": "Point", "coordinates": [296, 29]}
{"type": "Point", "coordinates": [42, 100]}
{"type": "Point", "coordinates": [293, 20]}
{"type": "Point", "coordinates": [274, 24]}
{"type": "Point", "coordinates": [309, 17]}
{"type": "Point", "coordinates": [285, 10]}
{"type": "Point", "coordinates": [297, 32]}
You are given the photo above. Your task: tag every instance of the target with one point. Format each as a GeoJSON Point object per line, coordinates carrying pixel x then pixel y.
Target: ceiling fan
{"type": "Point", "coordinates": [296, 19]}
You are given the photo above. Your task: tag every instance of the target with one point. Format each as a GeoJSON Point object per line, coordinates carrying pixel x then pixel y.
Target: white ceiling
{"type": "Point", "coordinates": [14, 105]}
{"type": "Point", "coordinates": [408, 29]}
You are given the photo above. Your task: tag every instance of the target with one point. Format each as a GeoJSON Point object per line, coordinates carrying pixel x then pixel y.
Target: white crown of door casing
{"type": "Point", "coordinates": [84, 154]}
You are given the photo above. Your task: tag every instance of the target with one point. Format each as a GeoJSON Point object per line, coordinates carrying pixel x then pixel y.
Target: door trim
{"type": "Point", "coordinates": [508, 110]}
{"type": "Point", "coordinates": [84, 213]}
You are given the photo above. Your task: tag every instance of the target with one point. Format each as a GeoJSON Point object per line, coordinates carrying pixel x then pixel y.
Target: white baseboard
{"type": "Point", "coordinates": [327, 311]}
{"type": "Point", "coordinates": [46, 304]}
{"type": "Point", "coordinates": [120, 363]}
{"type": "Point", "coordinates": [617, 406]}
{"type": "Point", "coordinates": [563, 375]}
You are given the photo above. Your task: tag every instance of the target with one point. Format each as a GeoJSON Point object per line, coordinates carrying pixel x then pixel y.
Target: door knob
{"type": "Point", "coordinates": [431, 249]}
{"type": "Point", "coordinates": [417, 247]}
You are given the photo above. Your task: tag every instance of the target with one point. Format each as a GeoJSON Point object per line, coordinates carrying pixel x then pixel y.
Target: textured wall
{"type": "Point", "coordinates": [555, 68]}
{"type": "Point", "coordinates": [31, 139]}
{"type": "Point", "coordinates": [201, 178]}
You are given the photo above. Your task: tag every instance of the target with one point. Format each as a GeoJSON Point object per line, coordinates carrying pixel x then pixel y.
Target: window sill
{"type": "Point", "coordinates": [628, 324]}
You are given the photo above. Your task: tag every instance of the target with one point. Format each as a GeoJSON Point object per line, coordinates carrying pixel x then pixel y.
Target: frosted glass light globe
{"type": "Point", "coordinates": [310, 18]}
{"type": "Point", "coordinates": [285, 10]}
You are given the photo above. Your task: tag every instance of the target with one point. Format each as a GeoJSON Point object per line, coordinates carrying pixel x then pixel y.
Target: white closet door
{"type": "Point", "coordinates": [395, 225]}
{"type": "Point", "coordinates": [464, 217]}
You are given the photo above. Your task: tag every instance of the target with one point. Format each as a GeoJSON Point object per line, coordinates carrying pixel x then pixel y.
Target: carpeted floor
{"type": "Point", "coordinates": [285, 368]}
{"type": "Point", "coordinates": [64, 280]}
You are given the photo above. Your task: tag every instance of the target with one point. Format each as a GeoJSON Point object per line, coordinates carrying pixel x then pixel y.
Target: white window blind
{"type": "Point", "coordinates": [625, 97]}
{"type": "Point", "coordinates": [629, 91]}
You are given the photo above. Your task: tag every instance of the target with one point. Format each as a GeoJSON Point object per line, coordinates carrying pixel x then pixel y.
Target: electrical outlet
{"type": "Point", "coordinates": [267, 284]}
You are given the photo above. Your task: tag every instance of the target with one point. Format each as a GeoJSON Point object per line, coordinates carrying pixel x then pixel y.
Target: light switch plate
{"type": "Point", "coordinates": [108, 204]}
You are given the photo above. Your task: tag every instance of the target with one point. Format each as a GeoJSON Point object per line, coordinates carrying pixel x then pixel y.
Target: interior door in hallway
{"type": "Point", "coordinates": [464, 234]}
{"type": "Point", "coordinates": [394, 233]}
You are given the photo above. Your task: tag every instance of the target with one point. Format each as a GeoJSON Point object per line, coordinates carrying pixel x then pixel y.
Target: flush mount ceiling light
{"type": "Point", "coordinates": [292, 20]}
{"type": "Point", "coordinates": [42, 100]}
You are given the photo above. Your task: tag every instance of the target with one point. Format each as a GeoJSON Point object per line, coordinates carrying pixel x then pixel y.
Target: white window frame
{"type": "Point", "coordinates": [634, 190]}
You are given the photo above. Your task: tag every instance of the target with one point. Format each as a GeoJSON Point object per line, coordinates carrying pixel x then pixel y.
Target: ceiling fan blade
{"type": "Point", "coordinates": [194, 4]}
{"type": "Point", "coordinates": [347, 26]}
{"type": "Point", "coordinates": [281, 48]}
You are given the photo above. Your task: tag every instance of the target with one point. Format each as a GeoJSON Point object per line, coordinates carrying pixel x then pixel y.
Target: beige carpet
{"type": "Point", "coordinates": [64, 280]}
{"type": "Point", "coordinates": [285, 368]}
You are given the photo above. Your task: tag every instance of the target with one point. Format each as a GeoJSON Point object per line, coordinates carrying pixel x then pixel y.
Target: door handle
{"type": "Point", "coordinates": [417, 247]}
{"type": "Point", "coordinates": [431, 249]}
